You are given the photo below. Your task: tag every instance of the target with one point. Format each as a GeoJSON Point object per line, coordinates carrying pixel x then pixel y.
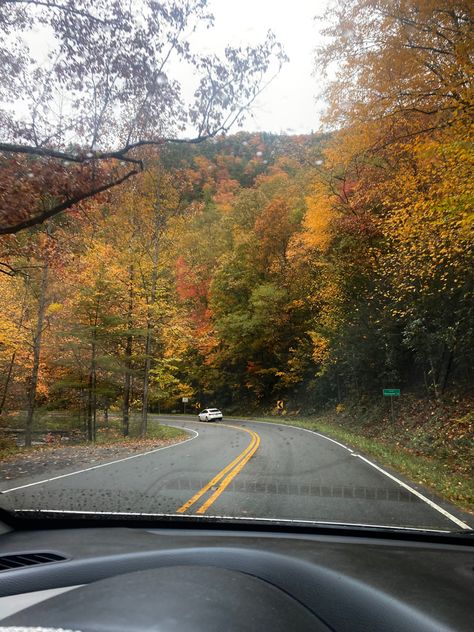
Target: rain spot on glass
{"type": "Point", "coordinates": [161, 79]}
{"type": "Point", "coordinates": [348, 32]}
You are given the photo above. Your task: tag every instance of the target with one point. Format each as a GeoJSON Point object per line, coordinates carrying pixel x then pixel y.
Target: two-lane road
{"type": "Point", "coordinates": [242, 469]}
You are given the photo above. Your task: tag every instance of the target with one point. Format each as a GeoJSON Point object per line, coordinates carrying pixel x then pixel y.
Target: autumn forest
{"type": "Point", "coordinates": [246, 269]}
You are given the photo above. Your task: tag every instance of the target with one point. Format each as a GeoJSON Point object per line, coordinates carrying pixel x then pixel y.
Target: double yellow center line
{"type": "Point", "coordinates": [225, 476]}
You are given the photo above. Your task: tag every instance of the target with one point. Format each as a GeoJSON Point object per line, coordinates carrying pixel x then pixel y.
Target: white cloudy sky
{"type": "Point", "coordinates": [290, 104]}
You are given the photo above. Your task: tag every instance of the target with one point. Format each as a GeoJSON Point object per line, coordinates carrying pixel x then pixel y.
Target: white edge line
{"type": "Point", "coordinates": [236, 518]}
{"type": "Point", "coordinates": [96, 467]}
{"type": "Point", "coordinates": [275, 423]}
{"type": "Point", "coordinates": [429, 502]}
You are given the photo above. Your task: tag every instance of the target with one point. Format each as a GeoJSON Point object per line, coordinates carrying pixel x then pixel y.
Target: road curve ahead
{"type": "Point", "coordinates": [243, 469]}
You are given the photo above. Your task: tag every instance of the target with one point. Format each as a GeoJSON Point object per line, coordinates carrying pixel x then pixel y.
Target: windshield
{"type": "Point", "coordinates": [264, 207]}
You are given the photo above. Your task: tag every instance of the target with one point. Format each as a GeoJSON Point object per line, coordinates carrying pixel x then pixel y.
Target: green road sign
{"type": "Point", "coordinates": [391, 392]}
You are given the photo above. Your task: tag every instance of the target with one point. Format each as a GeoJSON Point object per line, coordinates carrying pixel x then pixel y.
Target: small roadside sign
{"type": "Point", "coordinates": [185, 400]}
{"type": "Point", "coordinates": [391, 392]}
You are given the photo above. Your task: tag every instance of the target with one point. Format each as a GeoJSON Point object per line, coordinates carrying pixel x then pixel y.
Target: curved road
{"type": "Point", "coordinates": [246, 469]}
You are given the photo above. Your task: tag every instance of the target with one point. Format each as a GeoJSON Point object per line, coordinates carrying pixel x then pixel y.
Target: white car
{"type": "Point", "coordinates": [210, 414]}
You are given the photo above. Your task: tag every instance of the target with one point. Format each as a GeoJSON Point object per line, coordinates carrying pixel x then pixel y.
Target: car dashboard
{"type": "Point", "coordinates": [209, 576]}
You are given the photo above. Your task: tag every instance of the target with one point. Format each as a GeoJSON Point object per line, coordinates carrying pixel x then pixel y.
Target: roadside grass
{"type": "Point", "coordinates": [112, 433]}
{"type": "Point", "coordinates": [8, 447]}
{"type": "Point", "coordinates": [108, 432]}
{"type": "Point", "coordinates": [453, 481]}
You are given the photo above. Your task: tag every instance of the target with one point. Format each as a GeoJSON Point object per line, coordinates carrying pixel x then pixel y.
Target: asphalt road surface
{"type": "Point", "coordinates": [242, 469]}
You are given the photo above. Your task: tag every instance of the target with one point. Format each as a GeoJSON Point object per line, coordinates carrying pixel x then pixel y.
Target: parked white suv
{"type": "Point", "coordinates": [210, 414]}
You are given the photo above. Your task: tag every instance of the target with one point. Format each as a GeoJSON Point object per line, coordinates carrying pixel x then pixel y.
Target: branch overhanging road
{"type": "Point", "coordinates": [243, 469]}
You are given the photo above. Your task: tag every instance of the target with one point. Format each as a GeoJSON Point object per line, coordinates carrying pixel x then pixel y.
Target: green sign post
{"type": "Point", "coordinates": [391, 392]}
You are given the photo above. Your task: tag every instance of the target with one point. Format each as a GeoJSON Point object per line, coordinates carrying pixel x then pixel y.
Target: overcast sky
{"type": "Point", "coordinates": [290, 104]}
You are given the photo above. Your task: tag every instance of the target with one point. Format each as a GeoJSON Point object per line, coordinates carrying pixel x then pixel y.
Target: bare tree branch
{"type": "Point", "coordinates": [119, 154]}
{"type": "Point", "coordinates": [6, 268]}
{"type": "Point", "coordinates": [58, 208]}
{"type": "Point", "coordinates": [61, 7]}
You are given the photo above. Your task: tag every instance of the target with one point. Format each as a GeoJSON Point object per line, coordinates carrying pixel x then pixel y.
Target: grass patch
{"type": "Point", "coordinates": [7, 446]}
{"type": "Point", "coordinates": [108, 432]}
{"type": "Point", "coordinates": [452, 481]}
{"type": "Point", "coordinates": [112, 433]}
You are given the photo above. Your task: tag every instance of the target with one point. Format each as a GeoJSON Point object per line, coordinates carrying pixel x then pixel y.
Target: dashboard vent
{"type": "Point", "coordinates": [20, 560]}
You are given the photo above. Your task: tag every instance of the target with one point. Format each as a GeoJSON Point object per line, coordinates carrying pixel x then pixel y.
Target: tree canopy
{"type": "Point", "coordinates": [85, 85]}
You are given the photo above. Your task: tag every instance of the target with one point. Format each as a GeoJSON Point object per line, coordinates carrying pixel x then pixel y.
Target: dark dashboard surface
{"type": "Point", "coordinates": [197, 579]}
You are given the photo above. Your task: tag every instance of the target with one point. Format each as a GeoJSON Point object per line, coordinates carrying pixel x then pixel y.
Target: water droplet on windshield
{"type": "Point", "coordinates": [161, 79]}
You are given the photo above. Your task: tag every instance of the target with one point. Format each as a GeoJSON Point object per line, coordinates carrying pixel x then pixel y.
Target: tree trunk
{"type": "Point", "coordinates": [12, 359]}
{"type": "Point", "coordinates": [434, 383]}
{"type": "Point", "coordinates": [446, 369]}
{"type": "Point", "coordinates": [90, 432]}
{"type": "Point", "coordinates": [128, 361]}
{"type": "Point", "coordinates": [94, 388]}
{"type": "Point", "coordinates": [92, 398]}
{"type": "Point", "coordinates": [148, 347]}
{"type": "Point", "coordinates": [7, 381]}
{"type": "Point", "coordinates": [36, 355]}
{"type": "Point", "coordinates": [149, 338]}
{"type": "Point", "coordinates": [338, 383]}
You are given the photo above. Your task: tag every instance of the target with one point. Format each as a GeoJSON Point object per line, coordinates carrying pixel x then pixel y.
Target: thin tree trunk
{"type": "Point", "coordinates": [36, 355]}
{"type": "Point", "coordinates": [149, 337]}
{"type": "Point", "coordinates": [128, 360]}
{"type": "Point", "coordinates": [7, 381]}
{"type": "Point", "coordinates": [92, 398]}
{"type": "Point", "coordinates": [433, 377]}
{"type": "Point", "coordinates": [90, 432]}
{"type": "Point", "coordinates": [146, 373]}
{"type": "Point", "coordinates": [338, 382]}
{"type": "Point", "coordinates": [12, 359]}
{"type": "Point", "coordinates": [94, 387]}
{"type": "Point", "coordinates": [446, 370]}
{"type": "Point", "coordinates": [425, 380]}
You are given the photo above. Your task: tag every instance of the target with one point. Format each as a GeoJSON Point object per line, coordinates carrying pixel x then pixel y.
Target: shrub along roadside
{"type": "Point", "coordinates": [431, 444]}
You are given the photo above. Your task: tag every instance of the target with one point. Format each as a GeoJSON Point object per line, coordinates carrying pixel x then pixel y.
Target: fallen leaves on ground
{"type": "Point", "coordinates": [48, 459]}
